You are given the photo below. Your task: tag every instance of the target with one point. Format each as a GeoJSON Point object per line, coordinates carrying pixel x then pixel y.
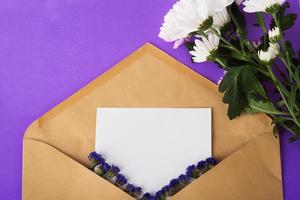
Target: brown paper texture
{"type": "Point", "coordinates": [57, 144]}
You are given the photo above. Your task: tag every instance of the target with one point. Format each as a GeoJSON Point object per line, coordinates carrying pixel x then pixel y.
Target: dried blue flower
{"type": "Point", "coordinates": [183, 178]}
{"type": "Point", "coordinates": [115, 169]}
{"type": "Point", "coordinates": [189, 170]}
{"type": "Point", "coordinates": [166, 189]}
{"type": "Point", "coordinates": [106, 167]}
{"type": "Point", "coordinates": [211, 161]}
{"type": "Point", "coordinates": [95, 159]}
{"type": "Point", "coordinates": [133, 190]}
{"type": "Point", "coordinates": [120, 180]}
{"type": "Point", "coordinates": [201, 164]}
{"type": "Point", "coordinates": [137, 190]}
{"type": "Point", "coordinates": [192, 171]}
{"type": "Point", "coordinates": [174, 187]}
{"type": "Point", "coordinates": [146, 196]}
{"type": "Point", "coordinates": [112, 172]}
{"type": "Point", "coordinates": [99, 170]}
{"type": "Point", "coordinates": [151, 197]}
{"type": "Point", "coordinates": [174, 183]}
{"type": "Point", "coordinates": [129, 188]}
{"type": "Point", "coordinates": [93, 155]}
{"type": "Point", "coordinates": [160, 195]}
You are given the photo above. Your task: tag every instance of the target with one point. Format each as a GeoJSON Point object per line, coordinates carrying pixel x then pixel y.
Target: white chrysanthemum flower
{"type": "Point", "coordinates": [274, 48]}
{"type": "Point", "coordinates": [265, 56]}
{"type": "Point", "coordinates": [187, 16]}
{"type": "Point", "coordinates": [252, 6]}
{"type": "Point", "coordinates": [274, 35]}
{"type": "Point", "coordinates": [270, 54]}
{"type": "Point", "coordinates": [221, 18]}
{"type": "Point", "coordinates": [205, 48]}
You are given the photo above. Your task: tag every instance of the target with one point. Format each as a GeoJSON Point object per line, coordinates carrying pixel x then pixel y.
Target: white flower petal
{"type": "Point", "coordinates": [221, 18]}
{"type": "Point", "coordinates": [252, 6]}
{"type": "Point", "coordinates": [186, 16]}
{"type": "Point", "coordinates": [203, 49]}
{"type": "Point", "coordinates": [270, 54]}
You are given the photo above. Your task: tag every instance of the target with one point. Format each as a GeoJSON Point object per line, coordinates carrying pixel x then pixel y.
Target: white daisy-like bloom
{"type": "Point", "coordinates": [274, 48]}
{"type": "Point", "coordinates": [265, 56]}
{"type": "Point", "coordinates": [274, 35]}
{"type": "Point", "coordinates": [187, 16]}
{"type": "Point", "coordinates": [252, 6]}
{"type": "Point", "coordinates": [221, 18]}
{"type": "Point", "coordinates": [203, 49]}
{"type": "Point", "coordinates": [270, 54]}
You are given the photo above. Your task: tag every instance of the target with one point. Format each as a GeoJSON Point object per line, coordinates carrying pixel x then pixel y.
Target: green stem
{"type": "Point", "coordinates": [224, 40]}
{"type": "Point", "coordinates": [279, 88]}
{"type": "Point", "coordinates": [221, 62]}
{"type": "Point", "coordinates": [262, 24]}
{"type": "Point", "coordinates": [285, 49]}
{"type": "Point", "coordinates": [231, 47]}
{"type": "Point", "coordinates": [239, 28]}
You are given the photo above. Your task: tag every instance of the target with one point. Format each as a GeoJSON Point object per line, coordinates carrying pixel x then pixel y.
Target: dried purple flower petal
{"type": "Point", "coordinates": [115, 169]}
{"type": "Point", "coordinates": [95, 159]}
{"type": "Point", "coordinates": [106, 167]}
{"type": "Point", "coordinates": [120, 180]}
{"type": "Point", "coordinates": [201, 164]}
{"type": "Point", "coordinates": [211, 161]}
{"type": "Point", "coordinates": [146, 196]}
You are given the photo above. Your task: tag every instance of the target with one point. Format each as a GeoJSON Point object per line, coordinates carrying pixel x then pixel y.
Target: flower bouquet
{"type": "Point", "coordinates": [260, 76]}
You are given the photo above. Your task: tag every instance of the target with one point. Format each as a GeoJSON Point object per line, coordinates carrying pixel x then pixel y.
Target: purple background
{"type": "Point", "coordinates": [51, 48]}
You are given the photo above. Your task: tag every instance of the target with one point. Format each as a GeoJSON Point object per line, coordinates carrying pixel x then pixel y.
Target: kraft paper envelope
{"type": "Point", "coordinates": [57, 144]}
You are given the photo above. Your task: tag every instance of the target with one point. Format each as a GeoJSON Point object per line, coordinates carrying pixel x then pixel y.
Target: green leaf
{"type": "Point", "coordinates": [290, 48]}
{"type": "Point", "coordinates": [235, 85]}
{"type": "Point", "coordinates": [239, 22]}
{"type": "Point", "coordinates": [297, 76]}
{"type": "Point", "coordinates": [237, 16]}
{"type": "Point", "coordinates": [287, 21]}
{"type": "Point", "coordinates": [294, 138]}
{"type": "Point", "coordinates": [280, 14]}
{"type": "Point", "coordinates": [238, 56]}
{"type": "Point", "coordinates": [261, 21]}
{"type": "Point", "coordinates": [259, 106]}
{"type": "Point", "coordinates": [259, 89]}
{"type": "Point", "coordinates": [292, 97]}
{"type": "Point", "coordinates": [247, 78]}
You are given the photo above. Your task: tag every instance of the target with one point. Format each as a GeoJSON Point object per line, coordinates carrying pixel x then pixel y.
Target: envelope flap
{"type": "Point", "coordinates": [250, 173]}
{"type": "Point", "coordinates": [146, 78]}
{"type": "Point", "coordinates": [54, 175]}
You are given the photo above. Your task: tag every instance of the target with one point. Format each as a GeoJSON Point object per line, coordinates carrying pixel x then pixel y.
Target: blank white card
{"type": "Point", "coordinates": [153, 145]}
